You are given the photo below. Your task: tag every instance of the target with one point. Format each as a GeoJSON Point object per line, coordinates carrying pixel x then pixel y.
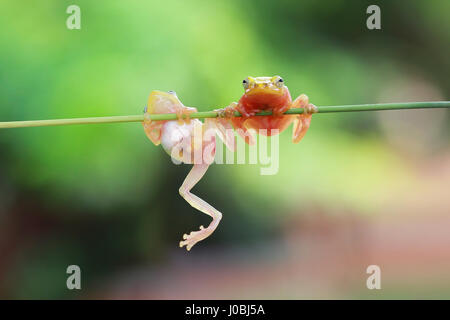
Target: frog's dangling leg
{"type": "Point", "coordinates": [196, 173]}
{"type": "Point", "coordinates": [302, 121]}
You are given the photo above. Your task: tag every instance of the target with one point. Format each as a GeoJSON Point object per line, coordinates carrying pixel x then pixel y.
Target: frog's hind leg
{"type": "Point", "coordinates": [302, 121]}
{"type": "Point", "coordinates": [194, 176]}
{"type": "Point", "coordinates": [301, 125]}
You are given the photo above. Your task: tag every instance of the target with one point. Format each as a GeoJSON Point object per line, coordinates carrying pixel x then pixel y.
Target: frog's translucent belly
{"type": "Point", "coordinates": [186, 142]}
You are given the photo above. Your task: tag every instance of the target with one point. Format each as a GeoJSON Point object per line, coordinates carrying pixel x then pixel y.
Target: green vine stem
{"type": "Point", "coordinates": [213, 114]}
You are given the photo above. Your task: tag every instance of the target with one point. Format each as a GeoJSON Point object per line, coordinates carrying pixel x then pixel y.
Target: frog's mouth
{"type": "Point", "coordinates": [264, 89]}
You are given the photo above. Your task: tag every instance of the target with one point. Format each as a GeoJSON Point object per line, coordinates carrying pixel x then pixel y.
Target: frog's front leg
{"type": "Point", "coordinates": [194, 176]}
{"type": "Point", "coordinates": [302, 121]}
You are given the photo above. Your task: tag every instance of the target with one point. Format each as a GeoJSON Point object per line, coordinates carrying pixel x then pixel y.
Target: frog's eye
{"type": "Point", "coordinates": [245, 83]}
{"type": "Point", "coordinates": [278, 81]}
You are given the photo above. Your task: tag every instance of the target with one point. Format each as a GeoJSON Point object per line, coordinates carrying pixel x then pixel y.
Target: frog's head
{"type": "Point", "coordinates": [264, 85]}
{"type": "Point", "coordinates": [265, 92]}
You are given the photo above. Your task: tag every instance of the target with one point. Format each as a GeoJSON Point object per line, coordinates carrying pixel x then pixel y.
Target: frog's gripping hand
{"type": "Point", "coordinates": [196, 173]}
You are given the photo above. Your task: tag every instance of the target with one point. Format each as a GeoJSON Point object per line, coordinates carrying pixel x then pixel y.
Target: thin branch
{"type": "Point", "coordinates": [213, 114]}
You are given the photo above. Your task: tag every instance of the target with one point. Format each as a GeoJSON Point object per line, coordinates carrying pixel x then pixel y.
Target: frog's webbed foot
{"type": "Point", "coordinates": [302, 121]}
{"type": "Point", "coordinates": [196, 173]}
{"type": "Point", "coordinates": [189, 240]}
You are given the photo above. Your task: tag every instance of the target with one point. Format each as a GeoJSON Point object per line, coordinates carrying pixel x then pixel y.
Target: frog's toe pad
{"type": "Point", "coordinates": [227, 112]}
{"type": "Point", "coordinates": [189, 240]}
{"type": "Point", "coordinates": [310, 108]}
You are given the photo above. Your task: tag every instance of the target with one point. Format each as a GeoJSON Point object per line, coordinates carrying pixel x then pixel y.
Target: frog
{"type": "Point", "coordinates": [191, 141]}
{"type": "Point", "coordinates": [267, 94]}
{"type": "Point", "coordinates": [188, 141]}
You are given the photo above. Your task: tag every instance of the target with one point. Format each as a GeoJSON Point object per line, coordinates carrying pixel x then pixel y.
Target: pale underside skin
{"type": "Point", "coordinates": [171, 133]}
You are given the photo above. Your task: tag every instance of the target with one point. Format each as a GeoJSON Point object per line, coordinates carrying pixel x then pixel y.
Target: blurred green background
{"type": "Point", "coordinates": [360, 189]}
